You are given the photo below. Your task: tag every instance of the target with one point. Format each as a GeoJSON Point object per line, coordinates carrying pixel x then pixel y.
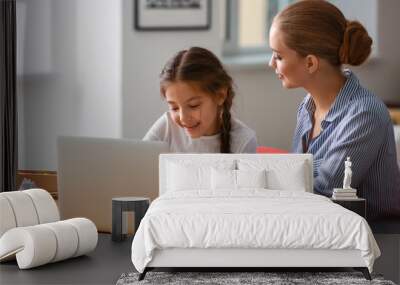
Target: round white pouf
{"type": "Point", "coordinates": [7, 216]}
{"type": "Point", "coordinates": [52, 242]}
{"type": "Point", "coordinates": [45, 205]}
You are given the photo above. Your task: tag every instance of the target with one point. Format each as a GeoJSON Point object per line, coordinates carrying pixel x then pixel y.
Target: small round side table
{"type": "Point", "coordinates": [138, 205]}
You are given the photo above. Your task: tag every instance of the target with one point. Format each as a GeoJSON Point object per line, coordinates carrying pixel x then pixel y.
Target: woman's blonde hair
{"type": "Point", "coordinates": [318, 27]}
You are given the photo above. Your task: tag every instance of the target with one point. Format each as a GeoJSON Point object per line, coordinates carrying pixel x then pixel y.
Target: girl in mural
{"type": "Point", "coordinates": [199, 93]}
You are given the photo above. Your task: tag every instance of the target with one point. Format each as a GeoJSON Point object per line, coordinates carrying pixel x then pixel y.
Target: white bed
{"type": "Point", "coordinates": [202, 220]}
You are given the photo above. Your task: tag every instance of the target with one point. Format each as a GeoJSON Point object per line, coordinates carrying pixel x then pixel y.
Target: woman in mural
{"type": "Point", "coordinates": [339, 118]}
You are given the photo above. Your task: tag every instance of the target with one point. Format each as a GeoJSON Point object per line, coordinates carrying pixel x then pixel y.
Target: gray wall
{"type": "Point", "coordinates": [144, 55]}
{"type": "Point", "coordinates": [69, 83]}
{"type": "Point", "coordinates": [87, 72]}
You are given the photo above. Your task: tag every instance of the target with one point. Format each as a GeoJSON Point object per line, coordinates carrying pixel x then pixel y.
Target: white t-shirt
{"type": "Point", "coordinates": [243, 139]}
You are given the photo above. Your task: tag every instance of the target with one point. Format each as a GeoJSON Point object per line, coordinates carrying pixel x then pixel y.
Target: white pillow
{"type": "Point", "coordinates": [186, 175]}
{"type": "Point", "coordinates": [251, 178]}
{"type": "Point", "coordinates": [281, 174]}
{"type": "Point", "coordinates": [223, 179]}
{"type": "Point", "coordinates": [237, 179]}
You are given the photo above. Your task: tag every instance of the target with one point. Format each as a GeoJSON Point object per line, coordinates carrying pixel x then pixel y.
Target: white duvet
{"type": "Point", "coordinates": [250, 219]}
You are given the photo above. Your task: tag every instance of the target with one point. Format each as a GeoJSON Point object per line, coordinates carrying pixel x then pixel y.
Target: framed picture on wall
{"type": "Point", "coordinates": [159, 15]}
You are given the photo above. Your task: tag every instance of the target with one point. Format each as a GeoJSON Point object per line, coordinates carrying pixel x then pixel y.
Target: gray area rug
{"type": "Point", "coordinates": [228, 278]}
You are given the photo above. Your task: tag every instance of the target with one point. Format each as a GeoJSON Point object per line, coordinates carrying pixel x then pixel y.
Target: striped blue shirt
{"type": "Point", "coordinates": [357, 125]}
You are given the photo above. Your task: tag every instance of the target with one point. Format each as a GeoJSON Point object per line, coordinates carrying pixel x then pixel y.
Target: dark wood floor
{"type": "Point", "coordinates": [110, 259]}
{"type": "Point", "coordinates": [102, 266]}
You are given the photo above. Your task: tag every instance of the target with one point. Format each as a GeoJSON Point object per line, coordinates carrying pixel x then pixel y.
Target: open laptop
{"type": "Point", "coordinates": [92, 171]}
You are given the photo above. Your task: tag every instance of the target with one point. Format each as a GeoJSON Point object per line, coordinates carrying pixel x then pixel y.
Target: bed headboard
{"type": "Point", "coordinates": [164, 159]}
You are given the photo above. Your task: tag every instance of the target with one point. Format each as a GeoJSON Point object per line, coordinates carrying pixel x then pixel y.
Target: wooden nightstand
{"type": "Point", "coordinates": [358, 205]}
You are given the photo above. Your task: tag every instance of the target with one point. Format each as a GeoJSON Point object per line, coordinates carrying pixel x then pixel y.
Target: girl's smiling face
{"type": "Point", "coordinates": [290, 67]}
{"type": "Point", "coordinates": [193, 109]}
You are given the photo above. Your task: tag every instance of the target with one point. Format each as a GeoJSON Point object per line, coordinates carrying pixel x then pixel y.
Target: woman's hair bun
{"type": "Point", "coordinates": [356, 45]}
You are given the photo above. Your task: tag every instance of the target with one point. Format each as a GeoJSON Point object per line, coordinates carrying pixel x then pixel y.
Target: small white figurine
{"type": "Point", "coordinates": [347, 174]}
